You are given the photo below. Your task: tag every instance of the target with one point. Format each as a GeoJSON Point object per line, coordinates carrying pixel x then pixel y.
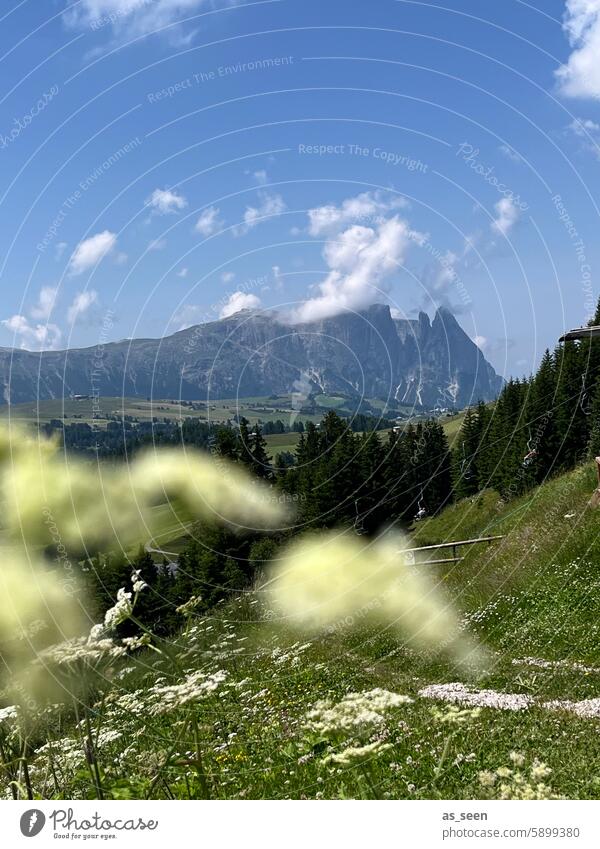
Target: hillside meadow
{"type": "Point", "coordinates": [241, 704]}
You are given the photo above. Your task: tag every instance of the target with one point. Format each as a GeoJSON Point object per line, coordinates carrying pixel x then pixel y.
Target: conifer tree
{"type": "Point", "coordinates": [261, 461]}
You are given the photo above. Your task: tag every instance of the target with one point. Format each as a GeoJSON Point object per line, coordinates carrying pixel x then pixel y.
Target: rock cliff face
{"type": "Point", "coordinates": [254, 353]}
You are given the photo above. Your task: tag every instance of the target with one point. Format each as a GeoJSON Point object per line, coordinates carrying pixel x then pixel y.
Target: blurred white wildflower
{"type": "Point", "coordinates": [81, 508]}
{"type": "Point", "coordinates": [39, 490]}
{"type": "Point", "coordinates": [31, 592]}
{"type": "Point", "coordinates": [327, 579]}
{"type": "Point", "coordinates": [354, 711]}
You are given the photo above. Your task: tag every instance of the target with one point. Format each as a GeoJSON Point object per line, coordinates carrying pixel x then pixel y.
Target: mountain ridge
{"type": "Point", "coordinates": [255, 353]}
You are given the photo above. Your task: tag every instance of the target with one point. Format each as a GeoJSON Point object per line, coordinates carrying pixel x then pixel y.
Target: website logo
{"type": "Point", "coordinates": [32, 822]}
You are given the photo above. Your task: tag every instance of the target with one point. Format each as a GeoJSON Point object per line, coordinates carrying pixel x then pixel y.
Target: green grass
{"type": "Point", "coordinates": [95, 411]}
{"type": "Point", "coordinates": [330, 402]}
{"type": "Point", "coordinates": [452, 426]}
{"type": "Point", "coordinates": [279, 442]}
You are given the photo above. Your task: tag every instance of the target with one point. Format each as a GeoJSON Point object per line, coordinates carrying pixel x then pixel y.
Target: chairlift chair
{"type": "Point", "coordinates": [531, 453]}
{"type": "Point", "coordinates": [421, 511]}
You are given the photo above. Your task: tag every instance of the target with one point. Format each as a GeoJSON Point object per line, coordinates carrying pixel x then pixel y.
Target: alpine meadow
{"type": "Point", "coordinates": [300, 421]}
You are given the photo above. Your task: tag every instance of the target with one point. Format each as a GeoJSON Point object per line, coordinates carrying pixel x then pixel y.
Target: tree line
{"type": "Point", "coordinates": [539, 426]}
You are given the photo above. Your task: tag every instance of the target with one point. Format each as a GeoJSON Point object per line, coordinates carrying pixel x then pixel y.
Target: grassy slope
{"type": "Point", "coordinates": [536, 593]}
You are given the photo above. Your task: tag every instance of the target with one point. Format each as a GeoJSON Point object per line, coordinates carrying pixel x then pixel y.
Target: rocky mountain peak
{"type": "Point", "coordinates": [254, 353]}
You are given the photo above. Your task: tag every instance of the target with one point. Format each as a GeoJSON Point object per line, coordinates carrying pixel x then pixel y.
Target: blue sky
{"type": "Point", "coordinates": [165, 162]}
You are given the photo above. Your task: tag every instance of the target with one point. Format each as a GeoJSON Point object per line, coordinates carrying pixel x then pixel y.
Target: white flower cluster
{"type": "Point", "coordinates": [83, 648]}
{"type": "Point", "coordinates": [137, 582]}
{"type": "Point", "coordinates": [7, 714]}
{"type": "Point", "coordinates": [121, 611]}
{"type": "Point", "coordinates": [195, 686]}
{"type": "Point", "coordinates": [139, 642]}
{"type": "Point", "coordinates": [190, 605]}
{"type": "Point", "coordinates": [510, 783]}
{"type": "Point", "coordinates": [454, 715]}
{"type": "Point", "coordinates": [540, 663]}
{"type": "Point", "coordinates": [65, 756]}
{"type": "Point", "coordinates": [355, 710]}
{"type": "Point", "coordinates": [460, 694]}
{"type": "Point", "coordinates": [587, 708]}
{"type": "Point", "coordinates": [354, 754]}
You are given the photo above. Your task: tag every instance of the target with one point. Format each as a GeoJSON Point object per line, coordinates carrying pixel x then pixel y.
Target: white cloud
{"type": "Point", "coordinates": [33, 337]}
{"type": "Point", "coordinates": [584, 126]}
{"type": "Point", "coordinates": [360, 260]}
{"type": "Point", "coordinates": [507, 215]}
{"type": "Point", "coordinates": [239, 301]}
{"type": "Point", "coordinates": [209, 222]}
{"type": "Point", "coordinates": [187, 316]}
{"type": "Point", "coordinates": [277, 277]}
{"type": "Point", "coordinates": [580, 75]}
{"type": "Point", "coordinates": [183, 272]}
{"type": "Point", "coordinates": [261, 176]}
{"type": "Point", "coordinates": [165, 201]}
{"type": "Point", "coordinates": [510, 153]}
{"type": "Point", "coordinates": [91, 251]}
{"type": "Point", "coordinates": [269, 206]}
{"type": "Point", "coordinates": [480, 341]}
{"type": "Point", "coordinates": [368, 208]}
{"type": "Point", "coordinates": [45, 303]}
{"type": "Point", "coordinates": [227, 276]}
{"type": "Point", "coordinates": [157, 245]}
{"type": "Point", "coordinates": [81, 304]}
{"type": "Point", "coordinates": [59, 250]}
{"type": "Point", "coordinates": [588, 132]}
{"type": "Point", "coordinates": [133, 17]}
